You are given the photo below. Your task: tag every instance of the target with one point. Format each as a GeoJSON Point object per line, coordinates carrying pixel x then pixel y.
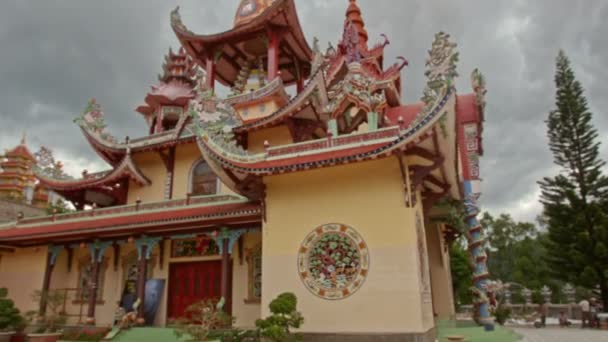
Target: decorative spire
{"type": "Point", "coordinates": [23, 138]}
{"type": "Point", "coordinates": [178, 66]}
{"type": "Point", "coordinates": [354, 18]}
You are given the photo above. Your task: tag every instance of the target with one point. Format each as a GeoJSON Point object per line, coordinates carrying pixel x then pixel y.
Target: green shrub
{"type": "Point", "coordinates": [284, 317]}
{"type": "Point", "coordinates": [10, 317]}
{"type": "Point", "coordinates": [502, 314]}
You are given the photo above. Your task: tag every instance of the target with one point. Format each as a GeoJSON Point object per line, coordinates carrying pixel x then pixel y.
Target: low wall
{"type": "Point", "coordinates": [9, 210]}
{"type": "Point", "coordinates": [573, 311]}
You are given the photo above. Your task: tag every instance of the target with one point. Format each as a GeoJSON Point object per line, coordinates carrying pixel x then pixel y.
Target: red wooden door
{"type": "Point", "coordinates": [192, 282]}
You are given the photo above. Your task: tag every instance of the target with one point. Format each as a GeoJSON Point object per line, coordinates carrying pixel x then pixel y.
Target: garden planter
{"type": "Point", "coordinates": [54, 337]}
{"type": "Point", "coordinates": [6, 336]}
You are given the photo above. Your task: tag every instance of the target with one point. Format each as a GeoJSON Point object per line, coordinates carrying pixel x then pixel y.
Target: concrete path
{"type": "Point", "coordinates": [562, 335]}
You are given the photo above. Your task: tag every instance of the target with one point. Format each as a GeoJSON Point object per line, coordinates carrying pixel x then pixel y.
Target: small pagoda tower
{"type": "Point", "coordinates": [17, 179]}
{"type": "Point", "coordinates": [165, 103]}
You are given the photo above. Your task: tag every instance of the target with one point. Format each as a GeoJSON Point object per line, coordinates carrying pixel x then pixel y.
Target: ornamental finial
{"type": "Point", "coordinates": [23, 138]}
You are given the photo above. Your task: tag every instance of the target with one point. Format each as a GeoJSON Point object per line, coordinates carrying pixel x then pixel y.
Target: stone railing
{"type": "Point", "coordinates": [132, 208]}
{"type": "Point", "coordinates": [315, 145]}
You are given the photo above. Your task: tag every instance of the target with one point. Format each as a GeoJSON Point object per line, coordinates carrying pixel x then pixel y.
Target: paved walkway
{"type": "Point", "coordinates": [562, 335]}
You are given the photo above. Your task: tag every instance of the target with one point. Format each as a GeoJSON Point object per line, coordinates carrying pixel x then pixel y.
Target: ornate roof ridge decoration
{"type": "Point", "coordinates": [126, 169]}
{"type": "Point", "coordinates": [357, 87]}
{"type": "Point", "coordinates": [441, 71]}
{"type": "Point", "coordinates": [478, 82]}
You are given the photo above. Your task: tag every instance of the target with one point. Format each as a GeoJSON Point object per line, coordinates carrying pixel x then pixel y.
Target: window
{"type": "Point", "coordinates": [254, 263]}
{"type": "Point", "coordinates": [85, 277]}
{"type": "Point", "coordinates": [203, 180]}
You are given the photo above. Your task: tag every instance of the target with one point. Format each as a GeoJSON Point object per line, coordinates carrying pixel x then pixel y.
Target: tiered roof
{"type": "Point", "coordinates": [177, 83]}
{"type": "Point", "coordinates": [234, 49]}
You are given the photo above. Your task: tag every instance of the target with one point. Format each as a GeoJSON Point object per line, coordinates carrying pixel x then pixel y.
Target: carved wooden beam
{"type": "Point", "coordinates": [421, 172]}
{"type": "Point", "coordinates": [421, 152]}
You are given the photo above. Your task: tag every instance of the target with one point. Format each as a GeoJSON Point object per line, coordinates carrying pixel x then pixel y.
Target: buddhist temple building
{"type": "Point", "coordinates": [328, 189]}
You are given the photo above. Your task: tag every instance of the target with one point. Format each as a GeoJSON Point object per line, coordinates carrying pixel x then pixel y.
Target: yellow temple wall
{"type": "Point", "coordinates": [369, 197]}
{"type": "Point", "coordinates": [258, 110]}
{"type": "Point", "coordinates": [276, 136]}
{"type": "Point", "coordinates": [151, 165]}
{"type": "Point", "coordinates": [439, 262]}
{"type": "Point", "coordinates": [22, 273]}
{"type": "Point", "coordinates": [185, 158]}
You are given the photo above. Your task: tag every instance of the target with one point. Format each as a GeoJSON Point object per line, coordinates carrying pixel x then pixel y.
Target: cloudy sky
{"type": "Point", "coordinates": [55, 55]}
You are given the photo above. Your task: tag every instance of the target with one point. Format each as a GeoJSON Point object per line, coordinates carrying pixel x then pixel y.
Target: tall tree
{"type": "Point", "coordinates": [576, 200]}
{"type": "Point", "coordinates": [506, 238]}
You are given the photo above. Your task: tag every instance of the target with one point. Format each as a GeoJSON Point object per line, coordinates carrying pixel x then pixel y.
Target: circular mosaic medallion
{"type": "Point", "coordinates": [333, 261]}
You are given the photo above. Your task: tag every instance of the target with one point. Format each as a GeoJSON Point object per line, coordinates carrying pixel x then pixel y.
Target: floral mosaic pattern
{"type": "Point", "coordinates": [333, 261]}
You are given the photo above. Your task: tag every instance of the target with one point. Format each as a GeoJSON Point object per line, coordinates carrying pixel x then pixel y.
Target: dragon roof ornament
{"type": "Point", "coordinates": [214, 119]}
{"type": "Point", "coordinates": [440, 72]}
{"type": "Point", "coordinates": [92, 119]}
{"type": "Point", "coordinates": [478, 83]}
{"type": "Point", "coordinates": [356, 86]}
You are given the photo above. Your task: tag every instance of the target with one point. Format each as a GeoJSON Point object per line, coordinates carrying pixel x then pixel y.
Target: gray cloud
{"type": "Point", "coordinates": [54, 56]}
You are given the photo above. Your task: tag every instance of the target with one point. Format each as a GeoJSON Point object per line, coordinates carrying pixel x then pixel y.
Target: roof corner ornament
{"type": "Point", "coordinates": [92, 119]}
{"type": "Point", "coordinates": [478, 82]}
{"type": "Point", "coordinates": [386, 41]}
{"type": "Point", "coordinates": [176, 21]}
{"type": "Point", "coordinates": [403, 64]}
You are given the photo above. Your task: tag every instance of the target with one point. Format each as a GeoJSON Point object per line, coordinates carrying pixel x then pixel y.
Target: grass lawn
{"type": "Point", "coordinates": [474, 333]}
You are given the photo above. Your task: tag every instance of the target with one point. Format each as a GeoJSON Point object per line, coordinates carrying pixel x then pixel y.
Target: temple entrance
{"type": "Point", "coordinates": [192, 282]}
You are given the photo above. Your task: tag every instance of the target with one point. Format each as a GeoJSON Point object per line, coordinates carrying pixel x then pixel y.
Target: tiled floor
{"type": "Point", "coordinates": [563, 335]}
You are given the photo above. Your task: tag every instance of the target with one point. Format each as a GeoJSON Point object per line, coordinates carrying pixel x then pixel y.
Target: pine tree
{"type": "Point", "coordinates": [576, 200]}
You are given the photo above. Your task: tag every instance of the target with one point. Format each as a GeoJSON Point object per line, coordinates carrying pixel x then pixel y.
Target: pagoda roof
{"type": "Point", "coordinates": [177, 82]}
{"type": "Point", "coordinates": [153, 219]}
{"type": "Point", "coordinates": [103, 188]}
{"type": "Point", "coordinates": [330, 151]}
{"type": "Point", "coordinates": [114, 151]}
{"type": "Point", "coordinates": [20, 151]}
{"type": "Point", "coordinates": [426, 129]}
{"type": "Point", "coordinates": [236, 47]}
{"type": "Point", "coordinates": [126, 169]}
{"type": "Point", "coordinates": [174, 93]}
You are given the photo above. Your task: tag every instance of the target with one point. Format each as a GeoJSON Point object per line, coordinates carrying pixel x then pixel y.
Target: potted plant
{"type": "Point", "coordinates": [201, 319]}
{"type": "Point", "coordinates": [10, 319]}
{"type": "Point", "coordinates": [48, 326]}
